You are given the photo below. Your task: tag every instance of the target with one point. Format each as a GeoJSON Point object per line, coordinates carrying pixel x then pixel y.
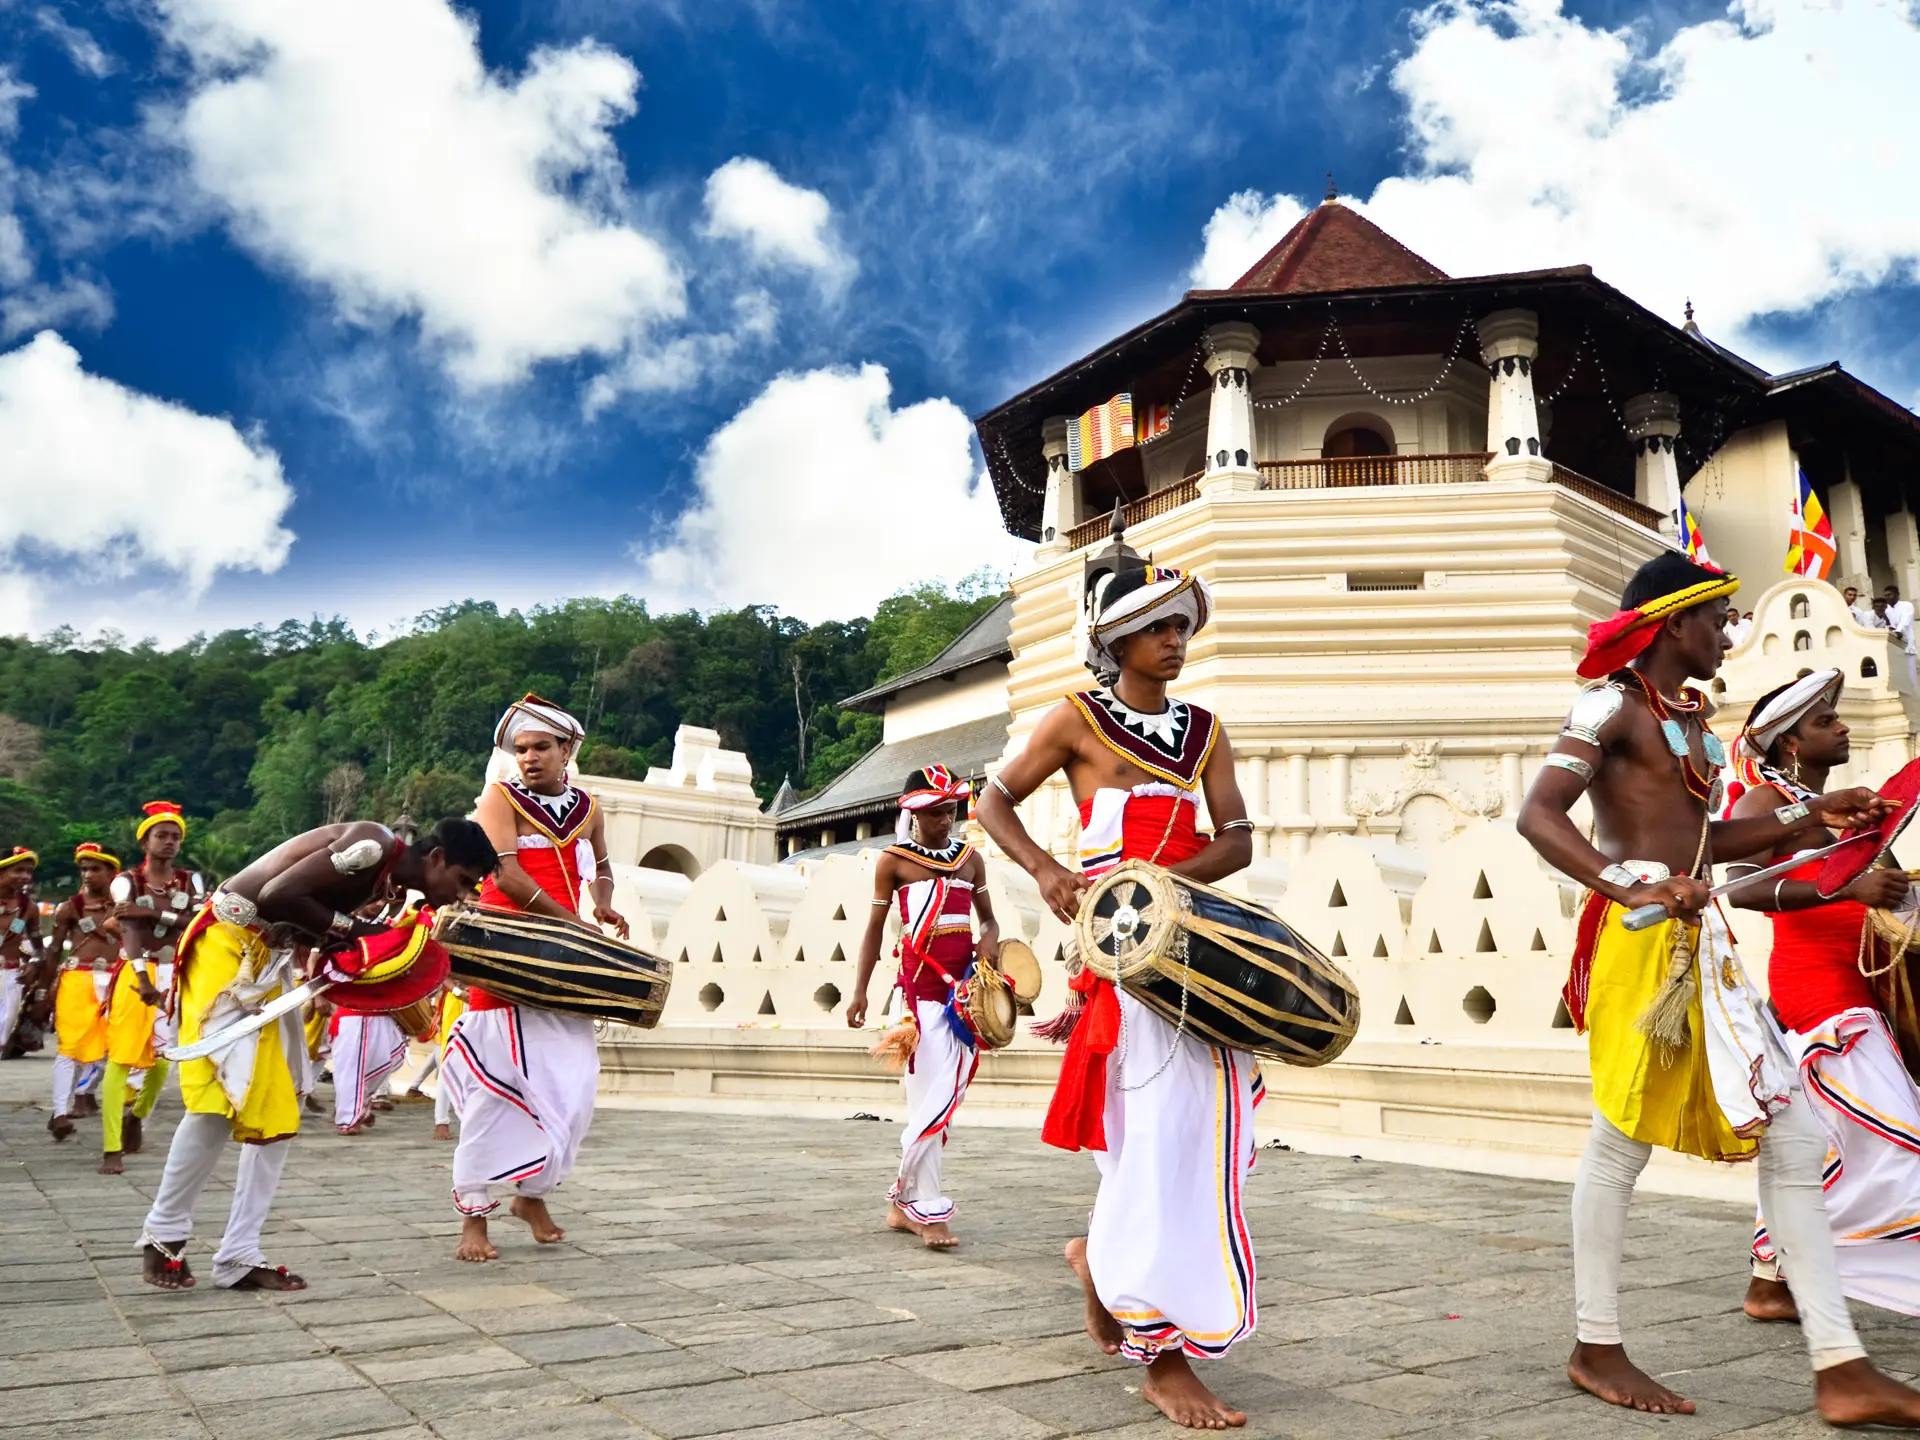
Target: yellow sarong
{"type": "Point", "coordinates": [452, 1007]}
{"type": "Point", "coordinates": [1656, 1095]}
{"type": "Point", "coordinates": [207, 964]}
{"type": "Point", "coordinates": [130, 1024]}
{"type": "Point", "coordinates": [77, 1019]}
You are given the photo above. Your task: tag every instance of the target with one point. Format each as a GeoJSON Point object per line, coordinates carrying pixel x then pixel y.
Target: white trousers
{"type": "Point", "coordinates": [191, 1158]}
{"type": "Point", "coordinates": [443, 1101]}
{"type": "Point", "coordinates": [523, 1081]}
{"type": "Point", "coordinates": [937, 1083]}
{"type": "Point", "coordinates": [12, 1001]}
{"type": "Point", "coordinates": [367, 1049]}
{"type": "Point", "coordinates": [71, 1078]}
{"type": "Point", "coordinates": [1168, 1246]}
{"type": "Point", "coordinates": [1790, 1161]}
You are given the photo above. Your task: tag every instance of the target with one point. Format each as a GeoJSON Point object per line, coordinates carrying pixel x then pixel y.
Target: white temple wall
{"type": "Point", "coordinates": [972, 694]}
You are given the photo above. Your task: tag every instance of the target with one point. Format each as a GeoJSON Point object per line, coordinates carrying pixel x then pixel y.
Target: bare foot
{"type": "Point", "coordinates": [110, 1163]}
{"type": "Point", "coordinates": [935, 1235]}
{"type": "Point", "coordinates": [313, 1105]}
{"type": "Point", "coordinates": [269, 1277]}
{"type": "Point", "coordinates": [60, 1127]}
{"type": "Point", "coordinates": [533, 1210]}
{"type": "Point", "coordinates": [132, 1135]}
{"type": "Point", "coordinates": [85, 1105]}
{"type": "Point", "coordinates": [1769, 1300]}
{"type": "Point", "coordinates": [356, 1127]}
{"type": "Point", "coordinates": [164, 1271]}
{"type": "Point", "coordinates": [474, 1244]}
{"type": "Point", "coordinates": [380, 1103]}
{"type": "Point", "coordinates": [1175, 1391]}
{"type": "Point", "coordinates": [443, 1132]}
{"type": "Point", "coordinates": [1857, 1394]}
{"type": "Point", "coordinates": [1104, 1329]}
{"type": "Point", "coordinates": [1605, 1371]}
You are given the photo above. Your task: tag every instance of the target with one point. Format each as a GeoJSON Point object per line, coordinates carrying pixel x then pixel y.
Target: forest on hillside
{"type": "Point", "coordinates": [262, 733]}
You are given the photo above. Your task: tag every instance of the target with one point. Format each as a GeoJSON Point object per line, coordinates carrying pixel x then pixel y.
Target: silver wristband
{"type": "Point", "coordinates": [1792, 815]}
{"type": "Point", "coordinates": [1573, 764]}
{"type": "Point", "coordinates": [1776, 892]}
{"type": "Point", "coordinates": [340, 924]}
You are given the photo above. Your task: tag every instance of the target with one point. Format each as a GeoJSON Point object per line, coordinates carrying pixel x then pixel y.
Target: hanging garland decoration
{"type": "Point", "coordinates": [1453, 355]}
{"type": "Point", "coordinates": [1201, 348]}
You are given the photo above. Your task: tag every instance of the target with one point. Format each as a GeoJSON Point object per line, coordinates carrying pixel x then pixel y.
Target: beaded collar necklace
{"type": "Point", "coordinates": [1690, 704]}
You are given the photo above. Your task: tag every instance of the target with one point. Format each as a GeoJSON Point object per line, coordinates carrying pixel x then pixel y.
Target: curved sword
{"type": "Point", "coordinates": [259, 1020]}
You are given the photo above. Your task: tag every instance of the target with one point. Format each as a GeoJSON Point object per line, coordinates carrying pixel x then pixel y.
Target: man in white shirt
{"type": "Point", "coordinates": [1900, 622]}
{"type": "Point", "coordinates": [1862, 609]}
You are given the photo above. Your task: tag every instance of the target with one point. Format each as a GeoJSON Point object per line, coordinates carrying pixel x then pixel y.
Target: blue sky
{"type": "Point", "coordinates": [373, 306]}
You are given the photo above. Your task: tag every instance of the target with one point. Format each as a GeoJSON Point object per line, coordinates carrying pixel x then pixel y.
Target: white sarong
{"type": "Point", "coordinates": [523, 1082]}
{"type": "Point", "coordinates": [942, 1068]}
{"type": "Point", "coordinates": [1867, 1105]}
{"type": "Point", "coordinates": [12, 999]}
{"type": "Point", "coordinates": [1168, 1246]}
{"type": "Point", "coordinates": [367, 1049]}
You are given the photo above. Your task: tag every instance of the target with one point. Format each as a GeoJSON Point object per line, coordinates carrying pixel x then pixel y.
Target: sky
{"type": "Point", "coordinates": [364, 308]}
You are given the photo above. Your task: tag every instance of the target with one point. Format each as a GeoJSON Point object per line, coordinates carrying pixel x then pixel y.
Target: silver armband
{"type": "Point", "coordinates": [1792, 815]}
{"type": "Point", "coordinates": [1591, 711]}
{"type": "Point", "coordinates": [1001, 786]}
{"type": "Point", "coordinates": [340, 924]}
{"type": "Point", "coordinates": [881, 902]}
{"type": "Point", "coordinates": [1573, 764]}
{"type": "Point", "coordinates": [361, 855]}
{"type": "Point", "coordinates": [1233, 825]}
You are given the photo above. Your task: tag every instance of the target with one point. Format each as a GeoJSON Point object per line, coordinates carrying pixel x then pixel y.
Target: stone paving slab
{"type": "Point", "coordinates": [727, 1278]}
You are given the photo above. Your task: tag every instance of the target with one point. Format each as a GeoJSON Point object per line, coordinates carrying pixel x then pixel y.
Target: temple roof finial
{"type": "Point", "coordinates": [1333, 192]}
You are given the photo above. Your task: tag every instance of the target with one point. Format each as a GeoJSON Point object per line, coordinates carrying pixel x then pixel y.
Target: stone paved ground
{"type": "Point", "coordinates": [728, 1276]}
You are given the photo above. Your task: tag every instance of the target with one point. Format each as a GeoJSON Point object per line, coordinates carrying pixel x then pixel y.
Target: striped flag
{"type": "Point", "coordinates": [1691, 539]}
{"type": "Point", "coordinates": [1102, 431]}
{"type": "Point", "coordinates": [1810, 548]}
{"type": "Point", "coordinates": [1152, 422]}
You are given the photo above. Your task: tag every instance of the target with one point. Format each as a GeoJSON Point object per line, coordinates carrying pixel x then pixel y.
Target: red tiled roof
{"type": "Point", "coordinates": [1334, 248]}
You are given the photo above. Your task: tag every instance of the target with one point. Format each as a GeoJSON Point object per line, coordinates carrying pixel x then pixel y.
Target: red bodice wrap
{"type": "Point", "coordinates": [1076, 1118]}
{"type": "Point", "coordinates": [1814, 972]}
{"type": "Point", "coordinates": [555, 871]}
{"type": "Point", "coordinates": [947, 944]}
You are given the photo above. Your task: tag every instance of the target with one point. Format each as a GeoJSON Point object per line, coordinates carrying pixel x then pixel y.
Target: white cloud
{"type": "Point", "coordinates": [28, 302]}
{"type": "Point", "coordinates": [779, 223]}
{"type": "Point", "coordinates": [103, 482]}
{"type": "Point", "coordinates": [82, 49]}
{"type": "Point", "coordinates": [823, 499]}
{"type": "Point", "coordinates": [364, 146]}
{"type": "Point", "coordinates": [1765, 171]}
{"type": "Point", "coordinates": [1239, 233]}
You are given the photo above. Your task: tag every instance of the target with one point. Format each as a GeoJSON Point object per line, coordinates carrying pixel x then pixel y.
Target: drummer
{"type": "Point", "coordinates": [231, 960]}
{"type": "Point", "coordinates": [1167, 1265]}
{"type": "Point", "coordinates": [1684, 1052]}
{"type": "Point", "coordinates": [19, 941]}
{"type": "Point", "coordinates": [940, 880]}
{"type": "Point", "coordinates": [522, 1078]}
{"type": "Point", "coordinates": [1855, 1080]}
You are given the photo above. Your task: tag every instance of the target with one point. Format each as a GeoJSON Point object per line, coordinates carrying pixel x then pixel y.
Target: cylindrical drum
{"type": "Point", "coordinates": [554, 964]}
{"type": "Point", "coordinates": [1228, 971]}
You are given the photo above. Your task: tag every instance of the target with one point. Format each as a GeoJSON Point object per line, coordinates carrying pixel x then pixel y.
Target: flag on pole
{"type": "Point", "coordinates": [1102, 431]}
{"type": "Point", "coordinates": [1810, 548]}
{"type": "Point", "coordinates": [1691, 540]}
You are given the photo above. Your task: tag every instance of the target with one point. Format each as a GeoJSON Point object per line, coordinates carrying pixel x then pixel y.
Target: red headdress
{"type": "Point", "coordinates": [21, 856]}
{"type": "Point", "coordinates": [161, 812]}
{"type": "Point", "coordinates": [1665, 585]}
{"type": "Point", "coordinates": [90, 850]}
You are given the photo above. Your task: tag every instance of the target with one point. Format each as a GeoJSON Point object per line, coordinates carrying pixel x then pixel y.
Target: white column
{"type": "Point", "coordinates": [1653, 420]}
{"type": "Point", "coordinates": [1060, 511]}
{"type": "Point", "coordinates": [1510, 781]}
{"type": "Point", "coordinates": [1342, 760]}
{"type": "Point", "coordinates": [1849, 517]}
{"type": "Point", "coordinates": [1903, 552]}
{"type": "Point", "coordinates": [1230, 361]}
{"type": "Point", "coordinates": [1509, 339]}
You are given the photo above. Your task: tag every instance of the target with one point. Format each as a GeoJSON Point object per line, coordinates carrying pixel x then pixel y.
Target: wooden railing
{"type": "Point", "coordinates": [1447, 469]}
{"type": "Point", "coordinates": [1093, 531]}
{"type": "Point", "coordinates": [1601, 495]}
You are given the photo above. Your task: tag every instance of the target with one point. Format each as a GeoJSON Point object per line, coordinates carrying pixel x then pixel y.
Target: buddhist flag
{"type": "Point", "coordinates": [1691, 540]}
{"type": "Point", "coordinates": [1810, 548]}
{"type": "Point", "coordinates": [1102, 431]}
{"type": "Point", "coordinates": [1152, 422]}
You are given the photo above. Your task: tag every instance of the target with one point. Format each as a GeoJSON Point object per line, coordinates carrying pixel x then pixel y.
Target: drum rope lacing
{"type": "Point", "coordinates": [1186, 975]}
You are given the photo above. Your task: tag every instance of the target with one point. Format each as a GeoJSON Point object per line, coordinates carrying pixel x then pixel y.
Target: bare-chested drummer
{"type": "Point", "coordinates": [1683, 1051]}
{"type": "Point", "coordinates": [234, 957]}
{"type": "Point", "coordinates": [1167, 1264]}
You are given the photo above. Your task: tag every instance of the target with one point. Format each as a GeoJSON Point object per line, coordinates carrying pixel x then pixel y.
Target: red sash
{"type": "Point", "coordinates": [1076, 1117]}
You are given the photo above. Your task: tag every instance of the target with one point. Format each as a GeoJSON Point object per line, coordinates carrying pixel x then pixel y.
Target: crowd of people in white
{"type": "Point", "coordinates": [1885, 611]}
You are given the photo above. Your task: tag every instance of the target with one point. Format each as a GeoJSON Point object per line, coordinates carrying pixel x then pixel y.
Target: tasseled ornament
{"type": "Point", "coordinates": [1061, 1027]}
{"type": "Point", "coordinates": [897, 1047]}
{"type": "Point", "coordinates": [1665, 1020]}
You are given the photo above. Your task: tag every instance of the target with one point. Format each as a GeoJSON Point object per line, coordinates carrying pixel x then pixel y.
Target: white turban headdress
{"type": "Point", "coordinates": [1129, 601]}
{"type": "Point", "coordinates": [530, 713]}
{"type": "Point", "coordinates": [1788, 709]}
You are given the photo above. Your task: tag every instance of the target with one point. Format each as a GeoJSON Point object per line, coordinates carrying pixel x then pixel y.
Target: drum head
{"type": "Point", "coordinates": [412, 985]}
{"type": "Point", "coordinates": [1845, 866]}
{"type": "Point", "coordinates": [990, 1007]}
{"type": "Point", "coordinates": [1022, 969]}
{"type": "Point", "coordinates": [1128, 921]}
